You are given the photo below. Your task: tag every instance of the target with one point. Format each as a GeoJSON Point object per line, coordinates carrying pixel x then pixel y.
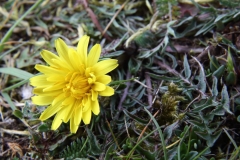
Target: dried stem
{"type": "Point", "coordinates": [94, 19]}
{"type": "Point", "coordinates": [149, 92]}
{"type": "Point", "coordinates": [120, 108]}
{"type": "Point", "coordinates": [114, 17]}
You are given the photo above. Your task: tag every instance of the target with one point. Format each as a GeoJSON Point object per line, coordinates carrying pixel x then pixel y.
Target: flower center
{"type": "Point", "coordinates": [78, 85]}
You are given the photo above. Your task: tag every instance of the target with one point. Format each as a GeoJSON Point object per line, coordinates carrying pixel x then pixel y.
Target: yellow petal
{"type": "Point", "coordinates": [95, 107]}
{"type": "Point", "coordinates": [68, 101]}
{"type": "Point", "coordinates": [58, 119]}
{"type": "Point", "coordinates": [48, 57]}
{"type": "Point", "coordinates": [109, 91]}
{"type": "Point", "coordinates": [86, 103]}
{"type": "Point", "coordinates": [73, 127]}
{"type": "Point", "coordinates": [86, 116]}
{"type": "Point", "coordinates": [56, 78]}
{"type": "Point", "coordinates": [40, 80]}
{"type": "Point", "coordinates": [39, 91]}
{"type": "Point", "coordinates": [78, 113]}
{"type": "Point", "coordinates": [49, 112]}
{"type": "Point", "coordinates": [93, 55]}
{"type": "Point", "coordinates": [62, 64]}
{"type": "Point", "coordinates": [48, 70]}
{"type": "Point", "coordinates": [75, 60]}
{"type": "Point", "coordinates": [105, 79]}
{"type": "Point", "coordinates": [57, 86]}
{"type": "Point", "coordinates": [84, 100]}
{"type": "Point", "coordinates": [104, 67]}
{"type": "Point", "coordinates": [59, 99]}
{"type": "Point", "coordinates": [98, 86]}
{"type": "Point", "coordinates": [62, 49]}
{"type": "Point", "coordinates": [42, 100]}
{"type": "Point", "coordinates": [94, 95]}
{"type": "Point", "coordinates": [82, 49]}
{"type": "Point", "coordinates": [68, 110]}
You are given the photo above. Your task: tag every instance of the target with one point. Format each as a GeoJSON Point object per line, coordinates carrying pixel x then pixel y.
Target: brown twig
{"type": "Point", "coordinates": [125, 93]}
{"type": "Point", "coordinates": [154, 4]}
{"type": "Point", "coordinates": [114, 138]}
{"type": "Point", "coordinates": [184, 49]}
{"type": "Point", "coordinates": [94, 19]}
{"type": "Point", "coordinates": [114, 17]}
{"type": "Point", "coordinates": [146, 126]}
{"type": "Point", "coordinates": [149, 84]}
{"type": "Point", "coordinates": [9, 15]}
{"type": "Point", "coordinates": [203, 54]}
{"type": "Point", "coordinates": [173, 71]}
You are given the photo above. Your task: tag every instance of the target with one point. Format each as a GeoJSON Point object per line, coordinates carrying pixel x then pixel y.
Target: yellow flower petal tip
{"type": "Point", "coordinates": [71, 83]}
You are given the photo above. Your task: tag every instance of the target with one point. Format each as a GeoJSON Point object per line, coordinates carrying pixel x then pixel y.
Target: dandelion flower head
{"type": "Point", "coordinates": [71, 83]}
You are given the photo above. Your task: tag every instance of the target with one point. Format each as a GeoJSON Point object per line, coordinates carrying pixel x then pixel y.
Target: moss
{"type": "Point", "coordinates": [169, 104]}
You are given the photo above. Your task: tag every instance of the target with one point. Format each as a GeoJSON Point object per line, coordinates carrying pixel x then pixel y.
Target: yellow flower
{"type": "Point", "coordinates": [70, 85]}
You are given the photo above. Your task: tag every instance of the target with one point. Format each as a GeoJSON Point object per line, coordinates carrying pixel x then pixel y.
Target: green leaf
{"type": "Point", "coordinates": [189, 25]}
{"type": "Point", "coordinates": [225, 99]}
{"type": "Point", "coordinates": [231, 78]}
{"type": "Point", "coordinates": [207, 27]}
{"type": "Point", "coordinates": [43, 128]}
{"type": "Point", "coordinates": [190, 155]}
{"type": "Point", "coordinates": [169, 29]}
{"type": "Point", "coordinates": [111, 150]}
{"type": "Point", "coordinates": [205, 151]}
{"type": "Point", "coordinates": [115, 43]}
{"type": "Point", "coordinates": [174, 61]}
{"type": "Point", "coordinates": [77, 148]}
{"type": "Point", "coordinates": [207, 118]}
{"type": "Point", "coordinates": [219, 72]}
{"type": "Point", "coordinates": [40, 23]}
{"type": "Point", "coordinates": [137, 118]}
{"type": "Point", "coordinates": [149, 53]}
{"type": "Point", "coordinates": [145, 153]}
{"type": "Point", "coordinates": [209, 103]}
{"type": "Point", "coordinates": [197, 124]}
{"type": "Point", "coordinates": [16, 72]}
{"type": "Point", "coordinates": [201, 78]}
{"type": "Point", "coordinates": [214, 65]}
{"type": "Point", "coordinates": [9, 100]}
{"type": "Point", "coordinates": [113, 54]}
{"type": "Point", "coordinates": [95, 148]}
{"type": "Point", "coordinates": [18, 113]}
{"type": "Point", "coordinates": [219, 111]}
{"type": "Point", "coordinates": [145, 40]}
{"type": "Point", "coordinates": [25, 59]}
{"type": "Point", "coordinates": [59, 142]}
{"type": "Point", "coordinates": [238, 118]}
{"type": "Point", "coordinates": [202, 84]}
{"type": "Point", "coordinates": [230, 66]}
{"type": "Point", "coordinates": [172, 153]}
{"type": "Point", "coordinates": [210, 138]}
{"type": "Point", "coordinates": [187, 70]}
{"type": "Point", "coordinates": [182, 147]}
{"type": "Point", "coordinates": [169, 130]}
{"type": "Point", "coordinates": [15, 85]}
{"type": "Point", "coordinates": [214, 88]}
{"type": "Point", "coordinates": [160, 133]}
